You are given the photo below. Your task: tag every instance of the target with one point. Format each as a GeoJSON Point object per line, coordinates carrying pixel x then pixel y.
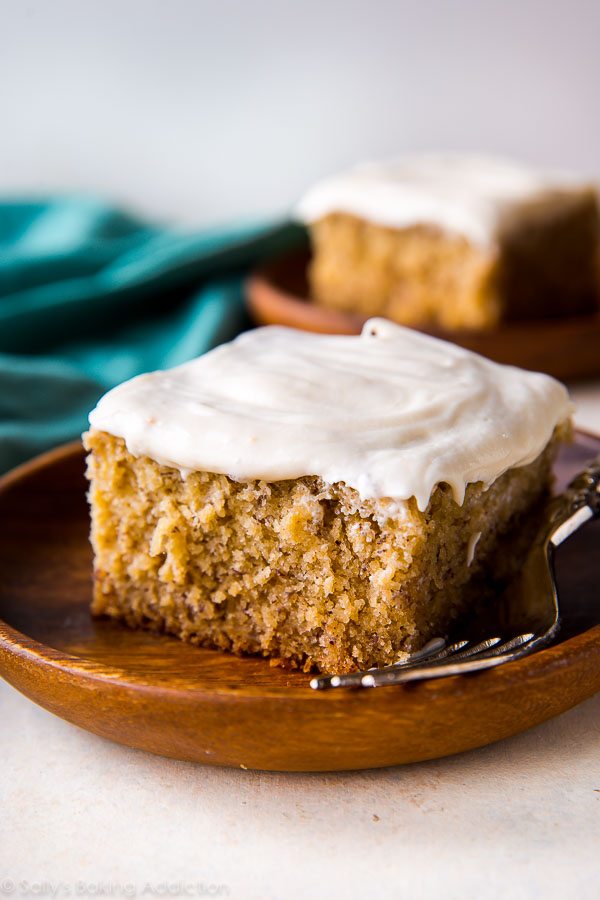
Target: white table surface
{"type": "Point", "coordinates": [82, 817]}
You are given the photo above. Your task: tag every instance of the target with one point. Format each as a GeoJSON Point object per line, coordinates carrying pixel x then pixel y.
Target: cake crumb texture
{"type": "Point", "coordinates": [297, 570]}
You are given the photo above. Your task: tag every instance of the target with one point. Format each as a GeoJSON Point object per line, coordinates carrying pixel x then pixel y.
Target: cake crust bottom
{"type": "Point", "coordinates": [300, 571]}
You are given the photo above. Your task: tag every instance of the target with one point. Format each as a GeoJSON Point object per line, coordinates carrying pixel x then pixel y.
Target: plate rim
{"type": "Point", "coordinates": [14, 643]}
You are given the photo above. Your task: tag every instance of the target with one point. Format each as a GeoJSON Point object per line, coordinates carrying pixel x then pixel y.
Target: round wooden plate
{"type": "Point", "coordinates": [277, 294]}
{"type": "Point", "coordinates": [156, 693]}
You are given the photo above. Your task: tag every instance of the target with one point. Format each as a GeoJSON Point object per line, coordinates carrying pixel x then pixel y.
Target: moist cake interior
{"type": "Point", "coordinates": [298, 570]}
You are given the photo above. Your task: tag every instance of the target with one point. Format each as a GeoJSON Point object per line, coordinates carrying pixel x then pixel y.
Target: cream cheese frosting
{"type": "Point", "coordinates": [391, 412]}
{"type": "Point", "coordinates": [474, 196]}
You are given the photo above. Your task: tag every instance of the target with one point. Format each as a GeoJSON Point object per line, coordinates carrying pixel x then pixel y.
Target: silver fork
{"type": "Point", "coordinates": [527, 612]}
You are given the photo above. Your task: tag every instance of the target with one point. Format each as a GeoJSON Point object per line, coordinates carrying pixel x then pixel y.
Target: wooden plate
{"type": "Point", "coordinates": [158, 694]}
{"type": "Point", "coordinates": [568, 348]}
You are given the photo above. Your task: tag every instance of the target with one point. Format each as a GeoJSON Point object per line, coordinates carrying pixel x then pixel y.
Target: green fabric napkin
{"type": "Point", "coordinates": [90, 296]}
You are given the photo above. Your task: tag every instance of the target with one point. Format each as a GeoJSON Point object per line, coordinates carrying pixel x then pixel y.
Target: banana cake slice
{"type": "Point", "coordinates": [324, 500]}
{"type": "Point", "coordinates": [454, 241]}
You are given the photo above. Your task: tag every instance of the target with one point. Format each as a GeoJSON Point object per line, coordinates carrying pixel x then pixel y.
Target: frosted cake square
{"type": "Point", "coordinates": [326, 501]}
{"type": "Point", "coordinates": [454, 242]}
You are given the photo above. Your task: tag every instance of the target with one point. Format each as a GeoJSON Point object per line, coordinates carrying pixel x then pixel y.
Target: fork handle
{"type": "Point", "coordinates": [576, 506]}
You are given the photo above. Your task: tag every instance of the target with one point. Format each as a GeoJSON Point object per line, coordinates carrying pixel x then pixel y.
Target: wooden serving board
{"type": "Point", "coordinates": [158, 694]}
{"type": "Point", "coordinates": [568, 347]}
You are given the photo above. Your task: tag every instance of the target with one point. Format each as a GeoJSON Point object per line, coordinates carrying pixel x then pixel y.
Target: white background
{"type": "Point", "coordinates": [200, 110]}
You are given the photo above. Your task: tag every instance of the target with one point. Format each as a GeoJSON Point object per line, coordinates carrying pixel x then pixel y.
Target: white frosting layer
{"type": "Point", "coordinates": [477, 197]}
{"type": "Point", "coordinates": [391, 412]}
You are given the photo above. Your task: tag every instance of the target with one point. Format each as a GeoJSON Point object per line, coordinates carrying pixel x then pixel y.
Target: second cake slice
{"type": "Point", "coordinates": [454, 242]}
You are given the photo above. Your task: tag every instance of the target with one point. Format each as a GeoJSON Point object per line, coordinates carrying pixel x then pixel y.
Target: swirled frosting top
{"type": "Point", "coordinates": [391, 412]}
{"type": "Point", "coordinates": [475, 196]}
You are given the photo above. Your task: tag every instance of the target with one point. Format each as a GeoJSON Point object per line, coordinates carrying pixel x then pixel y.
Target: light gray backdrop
{"type": "Point", "coordinates": [200, 111]}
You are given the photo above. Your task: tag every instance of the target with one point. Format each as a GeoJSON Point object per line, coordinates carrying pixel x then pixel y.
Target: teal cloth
{"type": "Point", "coordinates": [90, 296]}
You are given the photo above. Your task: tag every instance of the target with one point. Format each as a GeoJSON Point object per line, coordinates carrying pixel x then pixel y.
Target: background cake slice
{"type": "Point", "coordinates": [329, 501]}
{"type": "Point", "coordinates": [454, 242]}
